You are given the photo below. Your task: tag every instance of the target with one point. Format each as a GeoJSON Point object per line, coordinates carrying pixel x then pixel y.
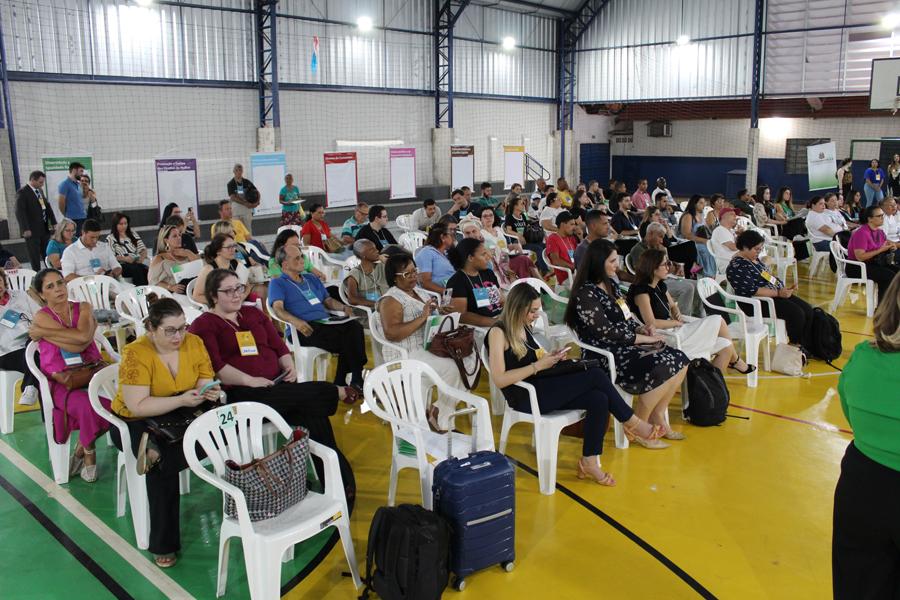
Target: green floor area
{"type": "Point", "coordinates": [37, 565]}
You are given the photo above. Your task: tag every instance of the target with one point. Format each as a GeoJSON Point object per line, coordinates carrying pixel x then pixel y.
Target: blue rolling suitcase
{"type": "Point", "coordinates": [476, 495]}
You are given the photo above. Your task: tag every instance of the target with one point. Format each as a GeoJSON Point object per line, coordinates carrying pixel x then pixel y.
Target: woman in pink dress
{"type": "Point", "coordinates": [65, 333]}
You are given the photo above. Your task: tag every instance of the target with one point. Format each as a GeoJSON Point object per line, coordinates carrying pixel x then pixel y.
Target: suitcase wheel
{"type": "Point", "coordinates": [459, 584]}
{"type": "Point", "coordinates": [508, 566]}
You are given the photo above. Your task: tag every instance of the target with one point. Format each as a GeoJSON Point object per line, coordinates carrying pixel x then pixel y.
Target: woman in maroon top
{"type": "Point", "coordinates": [248, 355]}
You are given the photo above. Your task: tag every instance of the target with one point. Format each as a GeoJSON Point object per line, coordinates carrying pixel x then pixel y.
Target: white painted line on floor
{"type": "Point", "coordinates": [804, 376]}
{"type": "Point", "coordinates": [131, 555]}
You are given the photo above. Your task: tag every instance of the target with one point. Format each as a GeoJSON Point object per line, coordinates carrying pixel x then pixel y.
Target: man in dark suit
{"type": "Point", "coordinates": [35, 216]}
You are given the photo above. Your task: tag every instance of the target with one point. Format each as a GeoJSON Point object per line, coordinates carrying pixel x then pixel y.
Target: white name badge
{"type": "Point", "coordinates": [482, 297]}
{"type": "Point", "coordinates": [626, 312]}
{"type": "Point", "coordinates": [310, 297]}
{"type": "Point", "coordinates": [10, 318]}
{"type": "Point", "coordinates": [72, 359]}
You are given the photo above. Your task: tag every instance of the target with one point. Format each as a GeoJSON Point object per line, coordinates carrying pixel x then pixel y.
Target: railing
{"type": "Point", "coordinates": [535, 170]}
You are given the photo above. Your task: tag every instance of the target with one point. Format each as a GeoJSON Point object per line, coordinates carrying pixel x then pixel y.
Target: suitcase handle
{"type": "Point", "coordinates": [452, 420]}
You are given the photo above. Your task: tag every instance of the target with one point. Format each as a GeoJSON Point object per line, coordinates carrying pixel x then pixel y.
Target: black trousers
{"type": "Point", "coordinates": [15, 361]}
{"type": "Point", "coordinates": [347, 341]}
{"type": "Point", "coordinates": [36, 246]}
{"type": "Point", "coordinates": [882, 275]}
{"type": "Point", "coordinates": [865, 544]}
{"type": "Point", "coordinates": [136, 271]}
{"type": "Point", "coordinates": [684, 253]}
{"type": "Point", "coordinates": [795, 226]}
{"type": "Point", "coordinates": [796, 313]}
{"type": "Point", "coordinates": [589, 390]}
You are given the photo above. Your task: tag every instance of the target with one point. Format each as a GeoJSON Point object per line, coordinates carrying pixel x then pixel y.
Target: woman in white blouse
{"type": "Point", "coordinates": [128, 249]}
{"type": "Point", "coordinates": [17, 310]}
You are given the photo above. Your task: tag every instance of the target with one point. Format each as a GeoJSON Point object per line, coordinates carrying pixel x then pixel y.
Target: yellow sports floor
{"type": "Point", "coordinates": [737, 511]}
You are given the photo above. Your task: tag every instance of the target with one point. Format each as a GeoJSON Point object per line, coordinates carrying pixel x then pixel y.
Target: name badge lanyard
{"type": "Point", "coordinates": [657, 295]}
{"type": "Point", "coordinates": [370, 294]}
{"type": "Point", "coordinates": [764, 273]}
{"type": "Point", "coordinates": [482, 296]}
{"type": "Point", "coordinates": [306, 292]}
{"type": "Point", "coordinates": [245, 340]}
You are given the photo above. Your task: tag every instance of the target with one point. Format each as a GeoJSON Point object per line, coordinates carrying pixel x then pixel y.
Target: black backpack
{"type": "Point", "coordinates": [409, 548]}
{"type": "Point", "coordinates": [824, 336]}
{"type": "Point", "coordinates": [707, 397]}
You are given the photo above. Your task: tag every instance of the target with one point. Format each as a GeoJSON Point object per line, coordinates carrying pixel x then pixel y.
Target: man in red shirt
{"type": "Point", "coordinates": [640, 200]}
{"type": "Point", "coordinates": [561, 245]}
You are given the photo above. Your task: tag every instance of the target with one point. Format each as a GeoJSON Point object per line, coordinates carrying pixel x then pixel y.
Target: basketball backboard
{"type": "Point", "coordinates": [884, 87]}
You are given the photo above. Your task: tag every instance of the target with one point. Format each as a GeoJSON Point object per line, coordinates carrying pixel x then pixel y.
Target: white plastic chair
{"type": "Point", "coordinates": [296, 228]}
{"type": "Point", "coordinates": [189, 292]}
{"type": "Point", "coordinates": [398, 392]}
{"type": "Point", "coordinates": [547, 428]}
{"type": "Point", "coordinates": [132, 305]}
{"type": "Point", "coordinates": [628, 265]}
{"type": "Point", "coordinates": [8, 381]}
{"type": "Point", "coordinates": [330, 267]}
{"type": "Point", "coordinates": [816, 260]}
{"type": "Point", "coordinates": [404, 222]}
{"type": "Point", "coordinates": [783, 253]}
{"type": "Point", "coordinates": [98, 291]}
{"type": "Point", "coordinates": [19, 279]}
{"type": "Point", "coordinates": [844, 283]}
{"type": "Point", "coordinates": [59, 453]}
{"type": "Point", "coordinates": [570, 274]}
{"type": "Point", "coordinates": [752, 329]}
{"type": "Point", "coordinates": [412, 240]}
{"type": "Point", "coordinates": [309, 361]}
{"type": "Point", "coordinates": [265, 542]}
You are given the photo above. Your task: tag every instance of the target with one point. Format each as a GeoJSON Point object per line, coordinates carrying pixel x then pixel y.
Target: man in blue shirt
{"type": "Point", "coordinates": [303, 302]}
{"type": "Point", "coordinates": [71, 203]}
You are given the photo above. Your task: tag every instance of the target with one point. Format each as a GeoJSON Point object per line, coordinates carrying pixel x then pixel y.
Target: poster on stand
{"type": "Point", "coordinates": [403, 172]}
{"type": "Point", "coordinates": [821, 166]}
{"type": "Point", "coordinates": [462, 167]}
{"type": "Point", "coordinates": [56, 168]}
{"type": "Point", "coordinates": [513, 166]}
{"type": "Point", "coordinates": [176, 181]}
{"type": "Point", "coordinates": [267, 171]}
{"type": "Point", "coordinates": [341, 186]}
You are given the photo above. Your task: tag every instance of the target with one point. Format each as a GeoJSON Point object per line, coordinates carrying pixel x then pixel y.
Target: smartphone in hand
{"type": "Point", "coordinates": [280, 378]}
{"type": "Point", "coordinates": [209, 386]}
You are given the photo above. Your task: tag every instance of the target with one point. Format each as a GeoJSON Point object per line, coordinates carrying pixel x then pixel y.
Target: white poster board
{"type": "Point", "coordinates": [513, 166]}
{"type": "Point", "coordinates": [462, 167]}
{"type": "Point", "coordinates": [267, 171]}
{"type": "Point", "coordinates": [403, 172]}
{"type": "Point", "coordinates": [820, 165]}
{"type": "Point", "coordinates": [176, 181]}
{"type": "Point", "coordinates": [340, 179]}
{"type": "Point", "coordinates": [56, 168]}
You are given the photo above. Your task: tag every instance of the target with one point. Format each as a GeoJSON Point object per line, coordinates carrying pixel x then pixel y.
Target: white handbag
{"type": "Point", "coordinates": [789, 360]}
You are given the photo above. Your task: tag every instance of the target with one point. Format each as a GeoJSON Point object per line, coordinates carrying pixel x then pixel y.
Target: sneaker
{"type": "Point", "coordinates": [29, 396]}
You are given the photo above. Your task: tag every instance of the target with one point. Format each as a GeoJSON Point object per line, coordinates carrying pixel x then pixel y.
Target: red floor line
{"type": "Point", "coordinates": [823, 426]}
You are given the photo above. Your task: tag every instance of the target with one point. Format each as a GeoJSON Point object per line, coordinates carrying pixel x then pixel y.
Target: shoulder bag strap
{"type": "Point", "coordinates": [374, 530]}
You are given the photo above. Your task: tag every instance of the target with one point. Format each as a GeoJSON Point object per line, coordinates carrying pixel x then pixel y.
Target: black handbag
{"type": "Point", "coordinates": [170, 427]}
{"type": "Point", "coordinates": [567, 367]}
{"type": "Point", "coordinates": [534, 233]}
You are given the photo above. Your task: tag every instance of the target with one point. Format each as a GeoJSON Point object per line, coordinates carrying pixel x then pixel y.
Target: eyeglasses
{"type": "Point", "coordinates": [171, 332]}
{"type": "Point", "coordinates": [879, 216]}
{"type": "Point", "coordinates": [237, 290]}
{"type": "Point", "coordinates": [229, 247]}
{"type": "Point", "coordinates": [408, 274]}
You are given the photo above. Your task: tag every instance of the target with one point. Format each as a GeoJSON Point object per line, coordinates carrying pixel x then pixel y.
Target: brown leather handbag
{"type": "Point", "coordinates": [76, 378]}
{"type": "Point", "coordinates": [458, 344]}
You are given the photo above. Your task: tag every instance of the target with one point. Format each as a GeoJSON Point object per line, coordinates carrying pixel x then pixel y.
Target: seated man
{"type": "Point", "coordinates": [561, 245]}
{"type": "Point", "coordinates": [226, 213]}
{"type": "Point", "coordinates": [624, 222]}
{"type": "Point", "coordinates": [376, 229]}
{"type": "Point", "coordinates": [425, 217]}
{"type": "Point", "coordinates": [666, 210]}
{"type": "Point", "coordinates": [683, 291]}
{"type": "Point", "coordinates": [597, 224]}
{"type": "Point", "coordinates": [301, 301]}
{"type": "Point", "coordinates": [354, 224]}
{"type": "Point", "coordinates": [366, 283]}
{"type": "Point", "coordinates": [87, 257]}
{"type": "Point", "coordinates": [486, 199]}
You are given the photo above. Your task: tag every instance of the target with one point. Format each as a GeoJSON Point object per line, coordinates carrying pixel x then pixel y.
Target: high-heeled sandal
{"type": "Point", "coordinates": [89, 472]}
{"type": "Point", "coordinates": [674, 435]}
{"type": "Point", "coordinates": [76, 461]}
{"type": "Point", "coordinates": [603, 479]}
{"type": "Point", "coordinates": [165, 561]}
{"type": "Point", "coordinates": [750, 368]}
{"type": "Point", "coordinates": [656, 432]}
{"type": "Point", "coordinates": [147, 455]}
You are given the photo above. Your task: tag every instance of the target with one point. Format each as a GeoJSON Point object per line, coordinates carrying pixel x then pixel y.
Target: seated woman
{"type": "Point", "coordinates": [476, 290]}
{"type": "Point", "coordinates": [820, 225]}
{"type": "Point", "coordinates": [161, 371]}
{"type": "Point", "coordinates": [869, 244]}
{"type": "Point", "coordinates": [301, 301]}
{"type": "Point", "coordinates": [517, 220]}
{"type": "Point", "coordinates": [247, 356]}
{"type": "Point", "coordinates": [188, 242]}
{"type": "Point", "coordinates": [514, 355]}
{"type": "Point", "coordinates": [169, 254]}
{"type": "Point", "coordinates": [690, 229]}
{"type": "Point", "coordinates": [219, 254]}
{"type": "Point", "coordinates": [316, 232]}
{"type": "Point", "coordinates": [645, 366]}
{"type": "Point", "coordinates": [290, 237]}
{"type": "Point", "coordinates": [431, 259]}
{"type": "Point", "coordinates": [680, 251]}
{"type": "Point", "coordinates": [750, 277]}
{"type": "Point", "coordinates": [17, 310]}
{"type": "Point", "coordinates": [65, 332]}
{"type": "Point", "coordinates": [507, 255]}
{"type": "Point", "coordinates": [404, 312]}
{"type": "Point", "coordinates": [63, 237]}
{"type": "Point", "coordinates": [708, 337]}
{"type": "Point", "coordinates": [864, 543]}
{"type": "Point", "coordinates": [128, 249]}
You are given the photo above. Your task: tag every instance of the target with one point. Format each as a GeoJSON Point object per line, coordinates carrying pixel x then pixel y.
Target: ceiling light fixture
{"type": "Point", "coordinates": [509, 43]}
{"type": "Point", "coordinates": [364, 24]}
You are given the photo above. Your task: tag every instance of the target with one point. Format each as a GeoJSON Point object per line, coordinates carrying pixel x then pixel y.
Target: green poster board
{"type": "Point", "coordinates": [56, 168]}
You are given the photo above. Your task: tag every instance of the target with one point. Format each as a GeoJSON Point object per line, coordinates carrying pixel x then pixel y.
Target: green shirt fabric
{"type": "Point", "coordinates": [275, 269]}
{"type": "Point", "coordinates": [868, 397]}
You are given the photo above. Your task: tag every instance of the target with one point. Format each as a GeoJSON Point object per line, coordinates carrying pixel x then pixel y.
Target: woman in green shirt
{"type": "Point", "coordinates": [865, 551]}
{"type": "Point", "coordinates": [289, 198]}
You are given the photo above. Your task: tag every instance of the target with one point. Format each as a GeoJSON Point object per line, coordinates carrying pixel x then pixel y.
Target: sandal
{"type": "Point", "coordinates": [433, 420]}
{"type": "Point", "coordinates": [352, 394]}
{"type": "Point", "coordinates": [76, 461]}
{"type": "Point", "coordinates": [147, 456]}
{"type": "Point", "coordinates": [674, 435]}
{"type": "Point", "coordinates": [601, 477]}
{"type": "Point", "coordinates": [656, 432]}
{"type": "Point", "coordinates": [651, 444]}
{"type": "Point", "coordinates": [89, 472]}
{"type": "Point", "coordinates": [750, 368]}
{"type": "Point", "coordinates": [165, 561]}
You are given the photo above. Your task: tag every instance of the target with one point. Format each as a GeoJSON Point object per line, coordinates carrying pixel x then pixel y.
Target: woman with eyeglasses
{"type": "Point", "coordinates": [869, 244]}
{"type": "Point", "coordinates": [63, 237]}
{"type": "Point", "coordinates": [65, 331]}
{"type": "Point", "coordinates": [219, 254]}
{"type": "Point", "coordinates": [169, 256]}
{"type": "Point", "coordinates": [162, 371]}
{"type": "Point", "coordinates": [17, 310]}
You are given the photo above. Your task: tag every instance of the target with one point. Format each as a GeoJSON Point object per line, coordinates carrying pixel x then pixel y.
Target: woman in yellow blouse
{"type": "Point", "coordinates": [160, 372]}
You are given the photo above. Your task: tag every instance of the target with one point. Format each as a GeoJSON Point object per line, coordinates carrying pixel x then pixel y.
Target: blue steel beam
{"type": "Point", "coordinates": [267, 63]}
{"type": "Point", "coordinates": [7, 111]}
{"type": "Point", "coordinates": [446, 13]}
{"type": "Point", "coordinates": [758, 24]}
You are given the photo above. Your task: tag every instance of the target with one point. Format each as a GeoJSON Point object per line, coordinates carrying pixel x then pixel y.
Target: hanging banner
{"type": "Point", "coordinates": [462, 167]}
{"type": "Point", "coordinates": [340, 179]}
{"type": "Point", "coordinates": [314, 62]}
{"type": "Point", "coordinates": [176, 181]}
{"type": "Point", "coordinates": [821, 166]}
{"type": "Point", "coordinates": [403, 172]}
{"type": "Point", "coordinates": [513, 166]}
{"type": "Point", "coordinates": [56, 168]}
{"type": "Point", "coordinates": [267, 171]}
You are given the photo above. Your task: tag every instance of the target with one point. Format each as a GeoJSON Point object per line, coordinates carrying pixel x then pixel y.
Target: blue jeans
{"type": "Point", "coordinates": [873, 196]}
